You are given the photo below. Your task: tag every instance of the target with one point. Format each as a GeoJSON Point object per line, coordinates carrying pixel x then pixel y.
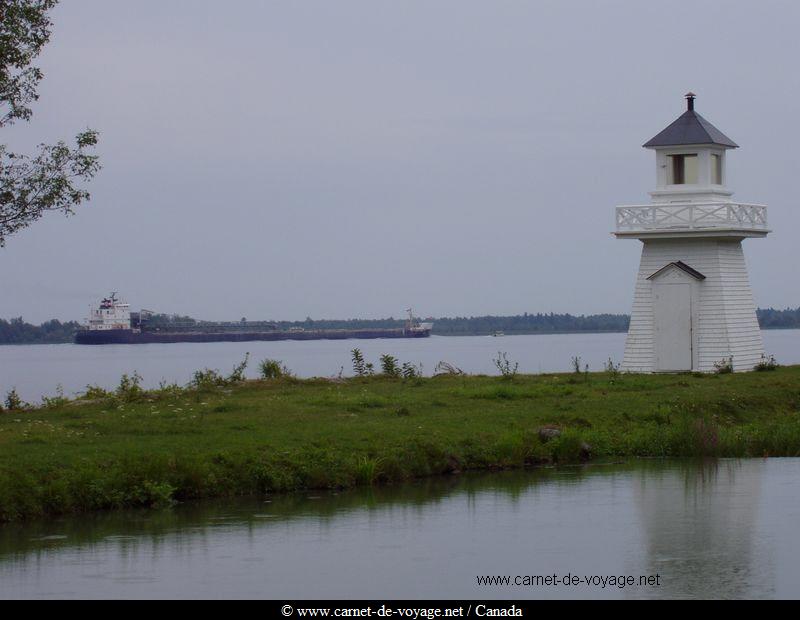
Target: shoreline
{"type": "Point", "coordinates": [222, 437]}
{"type": "Point", "coordinates": [446, 335]}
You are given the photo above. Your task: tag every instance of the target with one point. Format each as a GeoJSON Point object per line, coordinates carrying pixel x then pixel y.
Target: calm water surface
{"type": "Point", "coordinates": [717, 529]}
{"type": "Point", "coordinates": [37, 370]}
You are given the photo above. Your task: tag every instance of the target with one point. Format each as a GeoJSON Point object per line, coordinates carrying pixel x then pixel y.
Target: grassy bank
{"type": "Point", "coordinates": [135, 448]}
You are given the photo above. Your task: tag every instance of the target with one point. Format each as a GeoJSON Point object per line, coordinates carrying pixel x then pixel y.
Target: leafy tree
{"type": "Point", "coordinates": [30, 186]}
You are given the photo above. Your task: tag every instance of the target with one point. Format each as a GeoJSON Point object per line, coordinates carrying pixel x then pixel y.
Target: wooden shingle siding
{"type": "Point", "coordinates": [724, 317]}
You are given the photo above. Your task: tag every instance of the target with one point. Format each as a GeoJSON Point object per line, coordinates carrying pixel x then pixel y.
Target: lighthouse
{"type": "Point", "coordinates": [693, 307]}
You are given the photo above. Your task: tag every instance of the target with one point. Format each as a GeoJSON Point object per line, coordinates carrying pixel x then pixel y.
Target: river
{"type": "Point", "coordinates": [715, 529]}
{"type": "Point", "coordinates": [38, 370]}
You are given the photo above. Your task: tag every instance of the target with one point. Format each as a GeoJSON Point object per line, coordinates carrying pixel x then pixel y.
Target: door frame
{"type": "Point", "coordinates": [671, 275]}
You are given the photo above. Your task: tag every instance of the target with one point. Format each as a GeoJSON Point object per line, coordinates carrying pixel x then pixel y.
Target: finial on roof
{"type": "Point", "coordinates": [690, 128]}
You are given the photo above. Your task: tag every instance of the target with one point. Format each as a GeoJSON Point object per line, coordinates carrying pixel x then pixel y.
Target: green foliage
{"type": "Point", "coordinates": [95, 392]}
{"type": "Point", "coordinates": [24, 31]}
{"type": "Point", "coordinates": [566, 448]}
{"type": "Point", "coordinates": [694, 434]}
{"type": "Point", "coordinates": [766, 364]}
{"type": "Point", "coordinates": [253, 437]}
{"type": "Point", "coordinates": [210, 379]}
{"type": "Point", "coordinates": [13, 402]}
{"type": "Point", "coordinates": [529, 323]}
{"type": "Point", "coordinates": [499, 392]}
{"type": "Point", "coordinates": [17, 331]}
{"type": "Point", "coordinates": [237, 374]}
{"type": "Point", "coordinates": [410, 371]}
{"type": "Point", "coordinates": [724, 366]}
{"type": "Point", "coordinates": [769, 318]}
{"type": "Point", "coordinates": [154, 495]}
{"type": "Point", "coordinates": [367, 469]}
{"type": "Point", "coordinates": [130, 388]}
{"type": "Point", "coordinates": [59, 400]}
{"type": "Point", "coordinates": [207, 379]}
{"type": "Point", "coordinates": [612, 368]}
{"type": "Point", "coordinates": [272, 369]}
{"type": "Point", "coordinates": [31, 186]}
{"type": "Point", "coordinates": [389, 366]}
{"type": "Point", "coordinates": [361, 367]}
{"type": "Point", "coordinates": [507, 370]}
{"type": "Point", "coordinates": [168, 390]}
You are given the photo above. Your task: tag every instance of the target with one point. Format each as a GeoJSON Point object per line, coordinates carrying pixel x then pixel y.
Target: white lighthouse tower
{"type": "Point", "coordinates": [693, 307]}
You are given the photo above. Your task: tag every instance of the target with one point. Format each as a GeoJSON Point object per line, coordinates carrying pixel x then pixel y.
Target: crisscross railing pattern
{"type": "Point", "coordinates": [691, 216]}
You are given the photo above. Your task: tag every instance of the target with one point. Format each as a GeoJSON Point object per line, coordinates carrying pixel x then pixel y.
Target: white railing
{"type": "Point", "coordinates": [692, 216]}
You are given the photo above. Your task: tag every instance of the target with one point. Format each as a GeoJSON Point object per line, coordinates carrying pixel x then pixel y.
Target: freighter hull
{"type": "Point", "coordinates": [129, 336]}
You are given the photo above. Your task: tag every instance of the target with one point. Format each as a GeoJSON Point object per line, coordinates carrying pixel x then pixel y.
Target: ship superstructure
{"type": "Point", "coordinates": [110, 314]}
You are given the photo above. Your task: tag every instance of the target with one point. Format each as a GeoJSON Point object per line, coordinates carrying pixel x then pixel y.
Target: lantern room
{"type": "Point", "coordinates": [690, 159]}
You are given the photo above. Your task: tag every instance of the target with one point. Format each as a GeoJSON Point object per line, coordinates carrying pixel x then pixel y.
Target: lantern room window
{"type": "Point", "coordinates": [684, 169]}
{"type": "Point", "coordinates": [716, 169]}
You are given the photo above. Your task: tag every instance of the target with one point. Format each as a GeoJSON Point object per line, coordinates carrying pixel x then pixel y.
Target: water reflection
{"type": "Point", "coordinates": [708, 528]}
{"type": "Point", "coordinates": [699, 521]}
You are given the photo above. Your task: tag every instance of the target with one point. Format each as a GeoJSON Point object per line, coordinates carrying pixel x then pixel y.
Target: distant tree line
{"type": "Point", "coordinates": [17, 331]}
{"type": "Point", "coordinates": [769, 318]}
{"type": "Point", "coordinates": [530, 324]}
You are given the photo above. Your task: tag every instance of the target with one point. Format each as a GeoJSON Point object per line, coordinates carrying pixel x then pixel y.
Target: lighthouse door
{"type": "Point", "coordinates": [673, 326]}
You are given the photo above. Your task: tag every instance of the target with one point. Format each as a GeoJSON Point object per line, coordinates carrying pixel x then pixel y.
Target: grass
{"type": "Point", "coordinates": [150, 448]}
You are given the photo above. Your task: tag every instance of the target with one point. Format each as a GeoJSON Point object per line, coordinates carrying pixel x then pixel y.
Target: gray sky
{"type": "Point", "coordinates": [340, 159]}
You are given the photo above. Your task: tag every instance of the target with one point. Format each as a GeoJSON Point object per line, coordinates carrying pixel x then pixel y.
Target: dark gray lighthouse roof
{"type": "Point", "coordinates": [690, 128]}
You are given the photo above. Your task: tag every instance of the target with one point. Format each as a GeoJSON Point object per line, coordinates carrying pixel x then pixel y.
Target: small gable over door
{"type": "Point", "coordinates": [678, 270]}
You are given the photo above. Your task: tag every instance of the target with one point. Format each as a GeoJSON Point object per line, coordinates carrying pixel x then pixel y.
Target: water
{"type": "Point", "coordinates": [718, 529]}
{"type": "Point", "coordinates": [37, 370]}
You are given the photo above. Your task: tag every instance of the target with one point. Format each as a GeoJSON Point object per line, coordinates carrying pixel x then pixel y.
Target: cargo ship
{"type": "Point", "coordinates": [112, 322]}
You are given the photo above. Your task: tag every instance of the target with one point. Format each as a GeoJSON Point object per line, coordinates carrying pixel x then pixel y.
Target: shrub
{"type": "Point", "coordinates": [207, 379]}
{"type": "Point", "coordinates": [129, 388]}
{"type": "Point", "coordinates": [172, 390]}
{"type": "Point", "coordinates": [389, 366]}
{"type": "Point", "coordinates": [724, 366]}
{"type": "Point", "coordinates": [359, 366]}
{"type": "Point", "coordinates": [766, 363]}
{"type": "Point", "coordinates": [409, 371]}
{"type": "Point", "coordinates": [13, 402]}
{"type": "Point", "coordinates": [153, 494]}
{"type": "Point", "coordinates": [612, 368]}
{"type": "Point", "coordinates": [95, 392]}
{"type": "Point", "coordinates": [55, 401]}
{"type": "Point", "coordinates": [237, 374]}
{"type": "Point", "coordinates": [272, 369]}
{"type": "Point", "coordinates": [504, 366]}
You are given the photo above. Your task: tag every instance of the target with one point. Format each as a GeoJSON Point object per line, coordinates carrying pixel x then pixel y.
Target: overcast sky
{"type": "Point", "coordinates": [340, 159]}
